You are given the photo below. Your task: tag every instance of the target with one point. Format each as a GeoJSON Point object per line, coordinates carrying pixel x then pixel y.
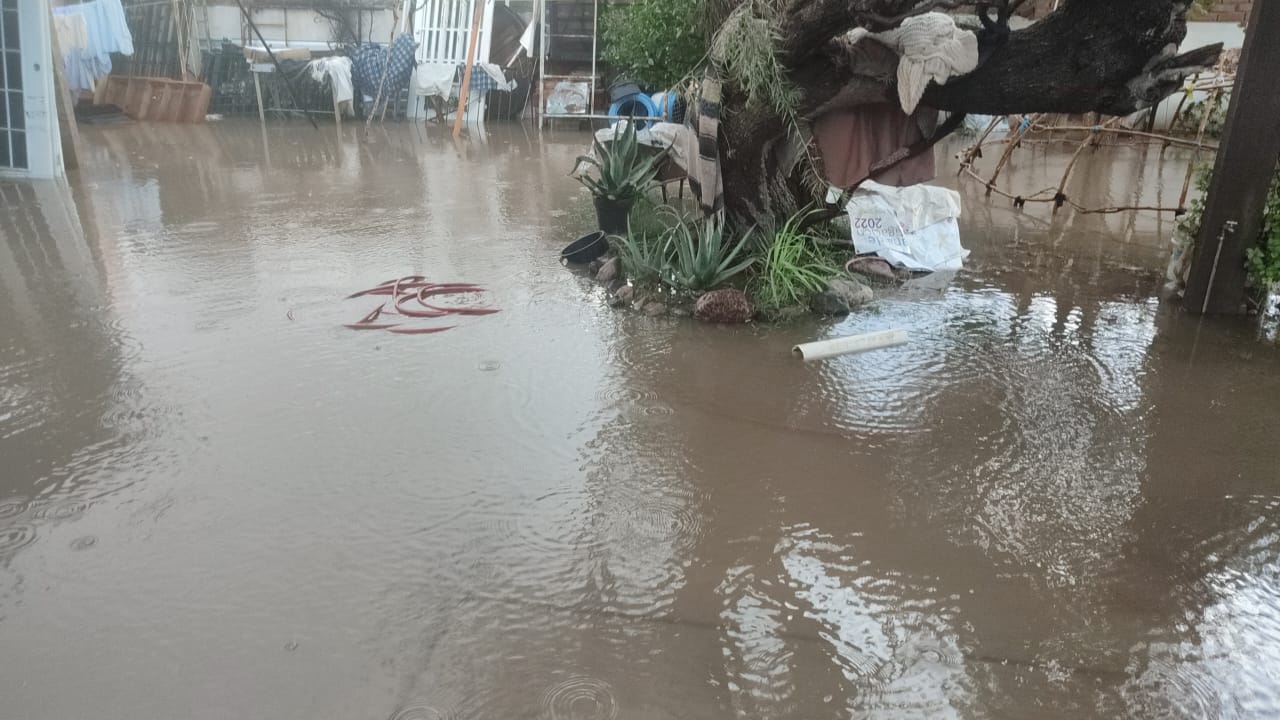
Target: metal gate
{"type": "Point", "coordinates": [13, 135]}
{"type": "Point", "coordinates": [443, 30]}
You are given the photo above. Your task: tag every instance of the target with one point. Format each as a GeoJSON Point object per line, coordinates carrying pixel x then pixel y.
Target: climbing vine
{"type": "Point", "coordinates": [1263, 260]}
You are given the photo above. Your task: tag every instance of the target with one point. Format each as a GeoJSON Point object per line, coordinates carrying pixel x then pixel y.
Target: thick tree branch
{"type": "Point", "coordinates": [1089, 56]}
{"type": "Point", "coordinates": [805, 26]}
{"type": "Point", "coordinates": [1108, 56]}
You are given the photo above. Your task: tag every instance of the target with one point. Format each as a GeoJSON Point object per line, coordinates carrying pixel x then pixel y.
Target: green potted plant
{"type": "Point", "coordinates": [623, 174]}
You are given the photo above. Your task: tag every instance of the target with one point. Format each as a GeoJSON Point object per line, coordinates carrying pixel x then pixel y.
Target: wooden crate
{"type": "Point", "coordinates": [158, 99]}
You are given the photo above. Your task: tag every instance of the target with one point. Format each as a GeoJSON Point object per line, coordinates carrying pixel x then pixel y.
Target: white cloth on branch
{"type": "Point", "coordinates": [930, 48]}
{"type": "Point", "coordinates": [338, 70]}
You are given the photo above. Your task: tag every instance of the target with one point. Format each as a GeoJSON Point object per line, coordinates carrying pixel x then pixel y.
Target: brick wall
{"type": "Point", "coordinates": [1236, 11]}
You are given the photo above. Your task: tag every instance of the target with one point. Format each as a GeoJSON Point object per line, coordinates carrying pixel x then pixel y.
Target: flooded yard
{"type": "Point", "coordinates": [1061, 499]}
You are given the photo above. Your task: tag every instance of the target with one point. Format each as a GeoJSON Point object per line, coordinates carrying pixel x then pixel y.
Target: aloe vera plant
{"type": "Point", "coordinates": [623, 173]}
{"type": "Point", "coordinates": [702, 259]}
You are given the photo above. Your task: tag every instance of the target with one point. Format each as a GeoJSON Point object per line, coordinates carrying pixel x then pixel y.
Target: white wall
{"type": "Point", "coordinates": [295, 27]}
{"type": "Point", "coordinates": [1231, 35]}
{"type": "Point", "coordinates": [44, 146]}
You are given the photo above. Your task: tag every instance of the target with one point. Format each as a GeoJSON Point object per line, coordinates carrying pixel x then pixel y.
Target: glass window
{"type": "Point", "coordinates": [13, 70]}
{"type": "Point", "coordinates": [19, 142]}
{"type": "Point", "coordinates": [10, 20]}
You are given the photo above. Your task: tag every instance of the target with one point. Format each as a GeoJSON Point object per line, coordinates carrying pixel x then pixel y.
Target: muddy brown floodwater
{"type": "Point", "coordinates": [1060, 500]}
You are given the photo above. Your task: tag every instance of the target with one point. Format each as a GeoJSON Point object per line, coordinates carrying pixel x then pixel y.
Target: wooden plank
{"type": "Point", "coordinates": [133, 97]}
{"type": "Point", "coordinates": [1242, 173]}
{"type": "Point", "coordinates": [147, 96]}
{"type": "Point", "coordinates": [257, 88]}
{"type": "Point", "coordinates": [197, 107]}
{"type": "Point", "coordinates": [68, 128]}
{"type": "Point", "coordinates": [187, 98]}
{"type": "Point", "coordinates": [471, 64]}
{"type": "Point", "coordinates": [163, 93]}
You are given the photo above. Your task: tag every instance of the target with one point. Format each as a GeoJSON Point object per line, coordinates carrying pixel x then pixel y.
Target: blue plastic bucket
{"type": "Point", "coordinates": [638, 106]}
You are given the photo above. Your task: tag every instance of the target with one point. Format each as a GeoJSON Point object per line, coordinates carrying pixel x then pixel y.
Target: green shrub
{"type": "Point", "coordinates": [794, 267]}
{"type": "Point", "coordinates": [1264, 258]}
{"type": "Point", "coordinates": [655, 43]}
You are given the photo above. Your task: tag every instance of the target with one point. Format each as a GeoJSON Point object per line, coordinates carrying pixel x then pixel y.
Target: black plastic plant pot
{"type": "Point", "coordinates": [586, 248]}
{"type": "Point", "coordinates": [611, 215]}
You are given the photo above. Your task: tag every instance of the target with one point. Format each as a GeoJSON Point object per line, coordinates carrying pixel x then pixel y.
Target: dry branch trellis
{"type": "Point", "coordinates": [1025, 131]}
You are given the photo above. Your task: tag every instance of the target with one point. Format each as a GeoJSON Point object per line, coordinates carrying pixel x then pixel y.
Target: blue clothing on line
{"type": "Point", "coordinates": [107, 32]}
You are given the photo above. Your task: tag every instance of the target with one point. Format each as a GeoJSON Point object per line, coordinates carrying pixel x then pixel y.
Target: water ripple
{"type": "Point", "coordinates": [422, 712]}
{"type": "Point", "coordinates": [15, 537]}
{"type": "Point", "coordinates": [580, 698]}
{"type": "Point", "coordinates": [69, 510]}
{"type": "Point", "coordinates": [11, 507]}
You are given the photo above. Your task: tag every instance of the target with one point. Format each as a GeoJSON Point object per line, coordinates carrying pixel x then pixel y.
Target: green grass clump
{"type": "Point", "coordinates": [794, 267]}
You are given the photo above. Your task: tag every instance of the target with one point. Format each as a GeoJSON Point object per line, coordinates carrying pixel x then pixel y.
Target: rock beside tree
{"type": "Point", "coordinates": [729, 305]}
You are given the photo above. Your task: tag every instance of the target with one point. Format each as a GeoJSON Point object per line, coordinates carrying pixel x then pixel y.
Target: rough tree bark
{"type": "Point", "coordinates": [1108, 56]}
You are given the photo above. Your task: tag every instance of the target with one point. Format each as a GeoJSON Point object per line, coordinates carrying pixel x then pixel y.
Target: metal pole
{"type": "Point", "coordinates": [542, 66]}
{"type": "Point", "coordinates": [595, 36]}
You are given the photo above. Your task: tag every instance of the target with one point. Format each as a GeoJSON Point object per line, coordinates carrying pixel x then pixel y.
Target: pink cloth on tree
{"type": "Point", "coordinates": [852, 141]}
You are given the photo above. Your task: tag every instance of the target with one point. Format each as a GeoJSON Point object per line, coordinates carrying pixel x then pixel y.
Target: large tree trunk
{"type": "Point", "coordinates": [1108, 56]}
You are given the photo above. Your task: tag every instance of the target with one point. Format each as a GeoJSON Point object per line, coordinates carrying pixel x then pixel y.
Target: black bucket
{"type": "Point", "coordinates": [586, 248]}
{"type": "Point", "coordinates": [623, 89]}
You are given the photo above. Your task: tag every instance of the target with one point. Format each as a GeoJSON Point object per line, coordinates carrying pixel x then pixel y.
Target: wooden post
{"type": "Point", "coordinates": [257, 88]}
{"type": "Point", "coordinates": [67, 126]}
{"type": "Point", "coordinates": [471, 61]}
{"type": "Point", "coordinates": [1242, 173]}
{"type": "Point", "coordinates": [175, 16]}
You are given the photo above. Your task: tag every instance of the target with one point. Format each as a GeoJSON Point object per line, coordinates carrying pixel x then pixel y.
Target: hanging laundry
{"type": "Point", "coordinates": [374, 69]}
{"type": "Point", "coordinates": [105, 31]}
{"type": "Point", "coordinates": [854, 140]}
{"type": "Point", "coordinates": [72, 32]}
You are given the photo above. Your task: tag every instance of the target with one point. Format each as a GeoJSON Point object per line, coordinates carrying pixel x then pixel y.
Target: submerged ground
{"type": "Point", "coordinates": [1060, 500]}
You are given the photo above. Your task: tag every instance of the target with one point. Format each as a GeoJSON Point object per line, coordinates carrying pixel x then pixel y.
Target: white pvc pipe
{"type": "Point", "coordinates": [852, 344]}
